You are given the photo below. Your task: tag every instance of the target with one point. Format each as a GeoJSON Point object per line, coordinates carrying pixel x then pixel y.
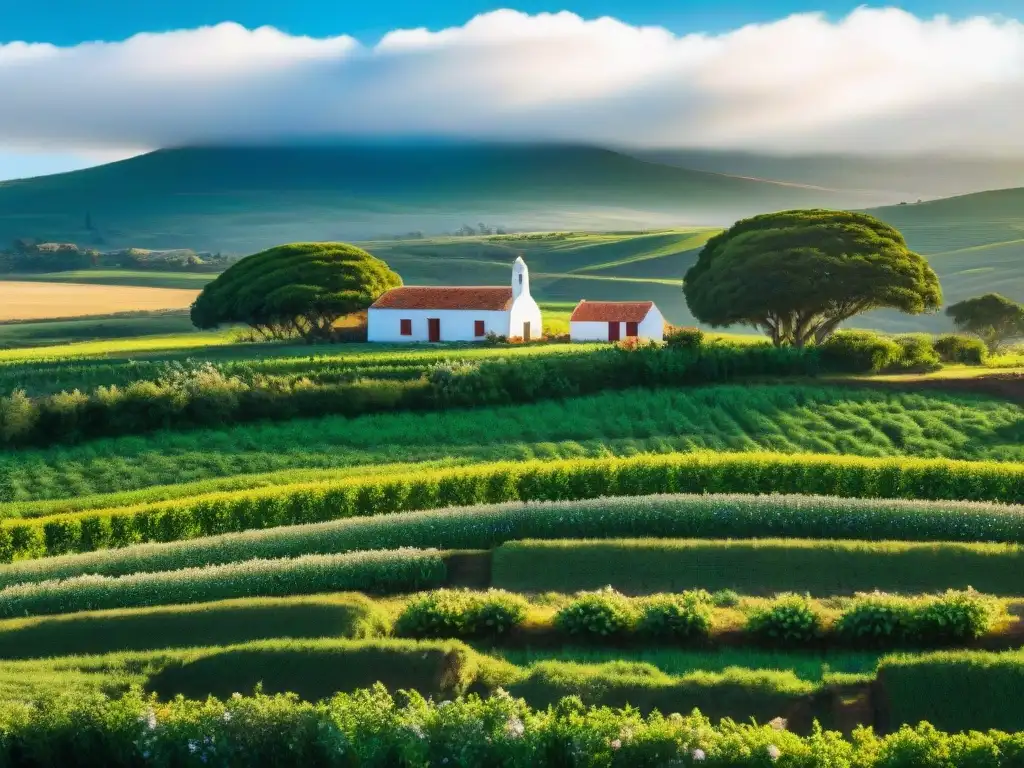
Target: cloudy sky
{"type": "Point", "coordinates": [85, 87]}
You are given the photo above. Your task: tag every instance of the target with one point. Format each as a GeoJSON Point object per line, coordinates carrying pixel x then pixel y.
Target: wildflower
{"type": "Point", "coordinates": [149, 719]}
{"type": "Point", "coordinates": [514, 727]}
{"type": "Point", "coordinates": [417, 731]}
{"type": "Point", "coordinates": [779, 724]}
{"type": "Point", "coordinates": [193, 745]}
{"type": "Point", "coordinates": [227, 717]}
{"type": "Point", "coordinates": [616, 744]}
{"type": "Point", "coordinates": [698, 755]}
{"type": "Point", "coordinates": [774, 752]}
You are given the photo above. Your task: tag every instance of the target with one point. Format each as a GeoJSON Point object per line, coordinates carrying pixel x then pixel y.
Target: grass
{"type": "Point", "coordinates": [718, 418]}
{"type": "Point", "coordinates": [124, 277]}
{"type": "Point", "coordinates": [758, 567]}
{"type": "Point", "coordinates": [226, 622]}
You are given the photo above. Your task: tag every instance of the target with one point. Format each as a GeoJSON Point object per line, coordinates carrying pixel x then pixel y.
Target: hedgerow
{"type": "Point", "coordinates": [375, 572]}
{"type": "Point", "coordinates": [756, 567]}
{"type": "Point", "coordinates": [369, 728]}
{"type": "Point", "coordinates": [698, 472]}
{"type": "Point", "coordinates": [461, 614]}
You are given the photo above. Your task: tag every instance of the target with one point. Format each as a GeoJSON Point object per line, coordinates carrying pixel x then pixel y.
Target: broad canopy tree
{"type": "Point", "coordinates": [797, 275]}
{"type": "Point", "coordinates": [302, 287]}
{"type": "Point", "coordinates": [992, 318]}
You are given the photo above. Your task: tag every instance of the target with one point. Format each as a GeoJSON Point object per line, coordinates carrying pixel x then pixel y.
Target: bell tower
{"type": "Point", "coordinates": [520, 279]}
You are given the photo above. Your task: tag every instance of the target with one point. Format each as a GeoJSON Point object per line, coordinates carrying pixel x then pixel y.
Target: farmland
{"type": "Point", "coordinates": [33, 300]}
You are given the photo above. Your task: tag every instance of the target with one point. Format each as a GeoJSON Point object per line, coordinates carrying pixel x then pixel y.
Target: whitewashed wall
{"type": "Point", "coordinates": [384, 325]}
{"type": "Point", "coordinates": [651, 327]}
{"type": "Point", "coordinates": [525, 309]}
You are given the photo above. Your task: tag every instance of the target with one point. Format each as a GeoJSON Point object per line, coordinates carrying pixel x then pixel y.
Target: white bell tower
{"type": "Point", "coordinates": [520, 279]}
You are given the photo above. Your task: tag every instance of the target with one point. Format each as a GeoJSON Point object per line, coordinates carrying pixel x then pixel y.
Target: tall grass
{"type": "Point", "coordinates": [722, 418]}
{"type": "Point", "coordinates": [695, 472]}
{"type": "Point", "coordinates": [488, 526]}
{"type": "Point", "coordinates": [761, 566]}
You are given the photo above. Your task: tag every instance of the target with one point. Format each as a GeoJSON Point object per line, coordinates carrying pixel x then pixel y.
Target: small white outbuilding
{"type": "Point", "coordinates": [456, 313]}
{"type": "Point", "coordinates": [616, 320]}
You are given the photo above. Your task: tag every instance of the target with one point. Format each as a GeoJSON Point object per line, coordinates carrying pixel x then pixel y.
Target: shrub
{"type": "Point", "coordinates": [600, 615]}
{"type": "Point", "coordinates": [725, 598]}
{"type": "Point", "coordinates": [954, 348]}
{"type": "Point", "coordinates": [380, 572]}
{"type": "Point", "coordinates": [684, 338]}
{"type": "Point", "coordinates": [790, 620]}
{"type": "Point", "coordinates": [461, 614]}
{"type": "Point", "coordinates": [684, 617]}
{"type": "Point", "coordinates": [877, 620]}
{"type": "Point", "coordinates": [858, 352]}
{"type": "Point", "coordinates": [954, 617]}
{"type": "Point", "coordinates": [917, 354]}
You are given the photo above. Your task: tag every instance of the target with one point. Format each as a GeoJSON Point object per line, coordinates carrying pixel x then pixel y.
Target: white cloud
{"type": "Point", "coordinates": [878, 80]}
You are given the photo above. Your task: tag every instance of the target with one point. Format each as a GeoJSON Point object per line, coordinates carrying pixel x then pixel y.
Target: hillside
{"type": "Point", "coordinates": [241, 199]}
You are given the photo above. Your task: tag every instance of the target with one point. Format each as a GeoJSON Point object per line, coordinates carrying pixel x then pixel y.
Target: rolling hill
{"type": "Point", "coordinates": [241, 199]}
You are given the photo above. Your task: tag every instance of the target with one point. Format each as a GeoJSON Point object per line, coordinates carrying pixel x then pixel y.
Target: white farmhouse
{"type": "Point", "coordinates": [615, 320]}
{"type": "Point", "coordinates": [464, 313]}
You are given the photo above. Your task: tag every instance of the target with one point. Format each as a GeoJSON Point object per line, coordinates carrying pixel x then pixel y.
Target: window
{"type": "Point", "coordinates": [405, 327]}
{"type": "Point", "coordinates": [520, 278]}
{"type": "Point", "coordinates": [478, 328]}
{"type": "Point", "coordinates": [632, 329]}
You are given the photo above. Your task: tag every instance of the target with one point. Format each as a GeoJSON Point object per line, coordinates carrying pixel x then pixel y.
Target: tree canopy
{"type": "Point", "coordinates": [992, 318]}
{"type": "Point", "coordinates": [797, 275]}
{"type": "Point", "coordinates": [302, 287]}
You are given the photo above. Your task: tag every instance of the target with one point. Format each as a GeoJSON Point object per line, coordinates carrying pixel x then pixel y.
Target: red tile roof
{"type": "Point", "coordinates": [486, 297]}
{"type": "Point", "coordinates": [611, 311]}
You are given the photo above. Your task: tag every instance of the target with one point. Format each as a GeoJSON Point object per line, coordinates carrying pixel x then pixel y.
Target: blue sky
{"type": "Point", "coordinates": [66, 22]}
{"type": "Point", "coordinates": [895, 72]}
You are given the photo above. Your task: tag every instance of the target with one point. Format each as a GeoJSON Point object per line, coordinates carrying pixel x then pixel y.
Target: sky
{"type": "Point", "coordinates": [89, 82]}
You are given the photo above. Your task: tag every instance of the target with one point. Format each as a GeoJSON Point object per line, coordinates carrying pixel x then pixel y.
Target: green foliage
{"type": "Point", "coordinates": [225, 622]}
{"type": "Point", "coordinates": [953, 618]}
{"type": "Point", "coordinates": [377, 572]}
{"type": "Point", "coordinates": [600, 615]}
{"type": "Point", "coordinates": [953, 348]}
{"type": "Point", "coordinates": [757, 567]}
{"type": "Point", "coordinates": [917, 354]}
{"type": "Point", "coordinates": [825, 267]}
{"type": "Point", "coordinates": [684, 338]}
{"type": "Point", "coordinates": [992, 318]}
{"type": "Point", "coordinates": [790, 621]}
{"type": "Point", "coordinates": [552, 480]}
{"type": "Point", "coordinates": [488, 526]}
{"type": "Point", "coordinates": [685, 617]}
{"type": "Point", "coordinates": [859, 352]}
{"type": "Point", "coordinates": [461, 614]}
{"type": "Point", "coordinates": [877, 620]}
{"type": "Point", "coordinates": [303, 287]}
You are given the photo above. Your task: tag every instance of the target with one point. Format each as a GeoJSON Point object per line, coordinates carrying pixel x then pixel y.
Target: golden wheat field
{"type": "Point", "coordinates": [36, 301]}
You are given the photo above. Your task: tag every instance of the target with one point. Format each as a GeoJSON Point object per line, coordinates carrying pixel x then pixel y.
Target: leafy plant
{"type": "Point", "coordinates": [603, 614]}
{"type": "Point", "coordinates": [791, 620]}
{"type": "Point", "coordinates": [683, 617]}
{"type": "Point", "coordinates": [462, 614]}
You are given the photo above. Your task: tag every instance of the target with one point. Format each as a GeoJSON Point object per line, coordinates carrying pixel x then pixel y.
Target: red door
{"type": "Point", "coordinates": [613, 331]}
{"type": "Point", "coordinates": [433, 329]}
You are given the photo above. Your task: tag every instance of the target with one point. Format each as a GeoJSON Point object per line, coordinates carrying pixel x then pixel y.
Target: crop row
{"type": "Point", "coordinates": [491, 525]}
{"type": "Point", "coordinates": [369, 728]}
{"type": "Point", "coordinates": [845, 476]}
{"type": "Point", "coordinates": [375, 572]}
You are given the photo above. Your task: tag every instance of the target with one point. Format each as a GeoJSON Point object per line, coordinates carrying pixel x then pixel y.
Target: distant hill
{"type": "Point", "coordinates": [241, 199]}
{"type": "Point", "coordinates": [881, 180]}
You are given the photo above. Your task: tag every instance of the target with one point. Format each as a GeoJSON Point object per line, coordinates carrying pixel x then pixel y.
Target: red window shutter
{"type": "Point", "coordinates": [478, 327]}
{"type": "Point", "coordinates": [632, 329]}
{"type": "Point", "coordinates": [406, 329]}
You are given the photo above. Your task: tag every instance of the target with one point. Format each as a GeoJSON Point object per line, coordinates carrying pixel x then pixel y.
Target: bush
{"type": "Point", "coordinates": [877, 620]}
{"type": "Point", "coordinates": [684, 338]}
{"type": "Point", "coordinates": [378, 572]}
{"type": "Point", "coordinates": [954, 617]}
{"type": "Point", "coordinates": [917, 354]}
{"type": "Point", "coordinates": [790, 621]}
{"type": "Point", "coordinates": [461, 614]}
{"type": "Point", "coordinates": [858, 352]}
{"type": "Point", "coordinates": [600, 615]}
{"type": "Point", "coordinates": [954, 348]}
{"type": "Point", "coordinates": [684, 617]}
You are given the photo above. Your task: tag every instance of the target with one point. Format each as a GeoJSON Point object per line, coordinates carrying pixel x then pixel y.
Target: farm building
{"type": "Point", "coordinates": [463, 313]}
{"type": "Point", "coordinates": [615, 320]}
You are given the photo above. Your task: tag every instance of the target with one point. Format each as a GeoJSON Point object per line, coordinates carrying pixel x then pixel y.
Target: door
{"type": "Point", "coordinates": [526, 329]}
{"type": "Point", "coordinates": [433, 329]}
{"type": "Point", "coordinates": [613, 331]}
{"type": "Point", "coordinates": [632, 329]}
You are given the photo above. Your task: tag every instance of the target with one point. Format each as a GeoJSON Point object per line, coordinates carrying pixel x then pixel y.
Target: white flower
{"type": "Point", "coordinates": [227, 717]}
{"type": "Point", "coordinates": [779, 724]}
{"type": "Point", "coordinates": [616, 744]}
{"type": "Point", "coordinates": [150, 720]}
{"type": "Point", "coordinates": [698, 755]}
{"type": "Point", "coordinates": [774, 752]}
{"type": "Point", "coordinates": [514, 727]}
{"type": "Point", "coordinates": [193, 745]}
